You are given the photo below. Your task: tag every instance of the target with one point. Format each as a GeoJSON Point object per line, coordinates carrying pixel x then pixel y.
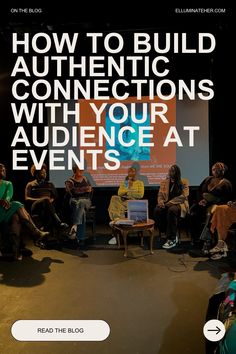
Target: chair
{"type": "Point", "coordinates": [91, 218]}
{"type": "Point", "coordinates": [183, 224]}
{"type": "Point", "coordinates": [231, 237]}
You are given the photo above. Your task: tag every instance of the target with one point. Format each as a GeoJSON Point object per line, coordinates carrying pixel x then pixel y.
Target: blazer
{"type": "Point", "coordinates": [182, 200]}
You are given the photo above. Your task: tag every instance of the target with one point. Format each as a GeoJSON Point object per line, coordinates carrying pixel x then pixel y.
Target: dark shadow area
{"type": "Point", "coordinates": [26, 273]}
{"type": "Point", "coordinates": [217, 267]}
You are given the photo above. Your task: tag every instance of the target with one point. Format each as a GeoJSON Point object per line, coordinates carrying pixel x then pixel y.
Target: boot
{"type": "Point", "coordinates": [34, 230]}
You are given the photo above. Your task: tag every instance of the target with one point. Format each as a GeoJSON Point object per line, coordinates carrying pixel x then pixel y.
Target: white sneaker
{"type": "Point", "coordinates": [169, 244]}
{"type": "Point", "coordinates": [220, 247]}
{"type": "Point", "coordinates": [112, 241]}
{"type": "Point", "coordinates": [219, 255]}
{"type": "Point", "coordinates": [72, 233]}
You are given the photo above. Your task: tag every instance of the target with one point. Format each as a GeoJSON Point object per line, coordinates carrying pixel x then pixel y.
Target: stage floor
{"type": "Point", "coordinates": [154, 304]}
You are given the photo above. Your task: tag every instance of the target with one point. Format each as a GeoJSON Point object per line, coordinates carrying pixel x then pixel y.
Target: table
{"type": "Point", "coordinates": [123, 230]}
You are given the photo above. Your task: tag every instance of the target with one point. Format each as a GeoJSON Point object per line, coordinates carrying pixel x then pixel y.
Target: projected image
{"type": "Point", "coordinates": [167, 144]}
{"type": "Point", "coordinates": [131, 133]}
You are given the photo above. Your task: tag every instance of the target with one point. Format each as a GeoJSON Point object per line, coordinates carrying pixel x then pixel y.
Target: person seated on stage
{"type": "Point", "coordinates": [41, 195]}
{"type": "Point", "coordinates": [223, 217]}
{"type": "Point", "coordinates": [130, 188]}
{"type": "Point", "coordinates": [172, 203]}
{"type": "Point", "coordinates": [79, 190]}
{"type": "Point", "coordinates": [13, 214]}
{"type": "Point", "coordinates": [214, 190]}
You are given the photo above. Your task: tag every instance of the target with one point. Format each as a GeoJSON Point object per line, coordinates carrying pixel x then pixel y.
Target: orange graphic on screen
{"type": "Point", "coordinates": [152, 162]}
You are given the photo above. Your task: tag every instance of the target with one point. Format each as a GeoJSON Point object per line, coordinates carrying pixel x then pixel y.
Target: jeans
{"type": "Point", "coordinates": [78, 209]}
{"type": "Point", "coordinates": [80, 234]}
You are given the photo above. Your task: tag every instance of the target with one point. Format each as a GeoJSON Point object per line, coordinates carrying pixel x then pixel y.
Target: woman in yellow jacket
{"type": "Point", "coordinates": [130, 188]}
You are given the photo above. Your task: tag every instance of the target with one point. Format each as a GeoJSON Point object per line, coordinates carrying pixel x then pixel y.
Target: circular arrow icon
{"type": "Point", "coordinates": [214, 330]}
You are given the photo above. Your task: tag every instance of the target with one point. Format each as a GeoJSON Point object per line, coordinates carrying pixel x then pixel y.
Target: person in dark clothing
{"type": "Point", "coordinates": [214, 190]}
{"type": "Point", "coordinates": [172, 202]}
{"type": "Point", "coordinates": [41, 196]}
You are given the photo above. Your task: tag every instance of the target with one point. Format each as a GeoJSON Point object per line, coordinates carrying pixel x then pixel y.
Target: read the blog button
{"type": "Point", "coordinates": [60, 330]}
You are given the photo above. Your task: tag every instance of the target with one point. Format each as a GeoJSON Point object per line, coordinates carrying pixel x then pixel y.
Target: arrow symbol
{"type": "Point", "coordinates": [217, 330]}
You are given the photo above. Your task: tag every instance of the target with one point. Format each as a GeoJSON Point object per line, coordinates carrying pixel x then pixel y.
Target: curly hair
{"type": "Point", "coordinates": [221, 167]}
{"type": "Point", "coordinates": [34, 172]}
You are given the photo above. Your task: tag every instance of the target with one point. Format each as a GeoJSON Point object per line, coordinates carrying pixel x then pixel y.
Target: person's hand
{"type": "Point", "coordinates": [130, 184]}
{"type": "Point", "coordinates": [161, 205]}
{"type": "Point", "coordinates": [51, 200]}
{"type": "Point", "coordinates": [203, 202]}
{"type": "Point", "coordinates": [5, 203]}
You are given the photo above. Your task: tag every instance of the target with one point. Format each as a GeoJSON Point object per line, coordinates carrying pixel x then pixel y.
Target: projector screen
{"type": "Point", "coordinates": [106, 138]}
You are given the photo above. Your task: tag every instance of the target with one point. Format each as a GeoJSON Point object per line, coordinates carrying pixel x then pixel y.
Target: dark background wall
{"type": "Point", "coordinates": [218, 67]}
